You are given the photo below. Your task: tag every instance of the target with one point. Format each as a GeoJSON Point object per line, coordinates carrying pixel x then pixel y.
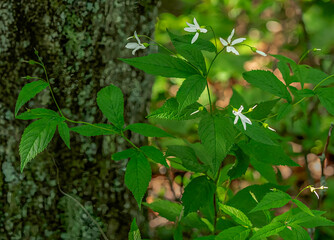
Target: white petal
{"type": "Point", "coordinates": [236, 119]}
{"type": "Point", "coordinates": [241, 108]}
{"type": "Point", "coordinates": [243, 123]}
{"type": "Point", "coordinates": [230, 37]}
{"type": "Point", "coordinates": [234, 51]}
{"type": "Point", "coordinates": [238, 40]}
{"type": "Point", "coordinates": [271, 129]}
{"type": "Point", "coordinates": [195, 23]}
{"type": "Point", "coordinates": [131, 45]}
{"type": "Point", "coordinates": [191, 25]}
{"type": "Point", "coordinates": [203, 30]}
{"type": "Point", "coordinates": [261, 53]}
{"type": "Point", "coordinates": [137, 37]}
{"type": "Point", "coordinates": [316, 194]}
{"type": "Point", "coordinates": [195, 38]}
{"type": "Point", "coordinates": [223, 42]}
{"type": "Point", "coordinates": [189, 29]}
{"type": "Point", "coordinates": [245, 119]}
{"type": "Point", "coordinates": [229, 49]}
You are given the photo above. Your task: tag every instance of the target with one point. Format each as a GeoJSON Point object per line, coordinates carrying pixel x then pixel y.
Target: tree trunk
{"type": "Point", "coordinates": [79, 42]}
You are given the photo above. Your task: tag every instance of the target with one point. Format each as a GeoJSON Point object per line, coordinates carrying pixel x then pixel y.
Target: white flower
{"type": "Point", "coordinates": [229, 45]}
{"type": "Point", "coordinates": [135, 46]}
{"type": "Point", "coordinates": [243, 118]}
{"type": "Point", "coordinates": [261, 53]}
{"type": "Point", "coordinates": [194, 28]}
{"type": "Point", "coordinates": [312, 189]}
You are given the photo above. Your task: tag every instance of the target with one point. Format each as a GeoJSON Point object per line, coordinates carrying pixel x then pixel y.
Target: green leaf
{"type": "Point", "coordinates": [295, 232]}
{"type": "Point", "coordinates": [128, 153]}
{"type": "Point", "coordinates": [137, 176]}
{"type": "Point", "coordinates": [190, 90]}
{"type": "Point", "coordinates": [263, 109]}
{"type": "Point", "coordinates": [155, 154]}
{"type": "Point", "coordinates": [267, 81]}
{"type": "Point", "coordinates": [256, 132]}
{"type": "Point", "coordinates": [162, 65]}
{"type": "Point", "coordinates": [274, 155]}
{"type": "Point", "coordinates": [285, 70]}
{"type": "Point", "coordinates": [167, 209]}
{"type": "Point", "coordinates": [37, 113]}
{"type": "Point", "coordinates": [271, 200]}
{"type": "Point", "coordinates": [217, 135]}
{"type": "Point", "coordinates": [268, 230]}
{"type": "Point", "coordinates": [265, 169]}
{"type": "Point", "coordinates": [134, 233]}
{"type": "Point", "coordinates": [305, 93]}
{"type": "Point", "coordinates": [170, 111]}
{"type": "Point", "coordinates": [64, 133]}
{"type": "Point", "coordinates": [187, 156]}
{"type": "Point", "coordinates": [190, 52]}
{"type": "Point", "coordinates": [184, 42]}
{"type": "Point", "coordinates": [110, 101]}
{"type": "Point", "coordinates": [326, 97]}
{"type": "Point", "coordinates": [28, 92]}
{"type": "Point", "coordinates": [283, 110]}
{"type": "Point", "coordinates": [35, 139]}
{"type": "Point", "coordinates": [240, 166]}
{"type": "Point", "coordinates": [147, 130]}
{"type": "Point", "coordinates": [95, 129]}
{"type": "Point", "coordinates": [237, 215]}
{"type": "Point", "coordinates": [237, 100]}
{"type": "Point", "coordinates": [197, 194]}
{"type": "Point", "coordinates": [302, 207]}
{"type": "Point", "coordinates": [307, 74]}
{"type": "Point", "coordinates": [233, 233]}
{"type": "Point", "coordinates": [305, 220]}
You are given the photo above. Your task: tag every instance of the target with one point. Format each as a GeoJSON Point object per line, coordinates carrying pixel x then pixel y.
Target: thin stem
{"type": "Point", "coordinates": [90, 124]}
{"type": "Point", "coordinates": [207, 87]}
{"type": "Point", "coordinates": [78, 203]}
{"type": "Point", "coordinates": [304, 55]}
{"type": "Point", "coordinates": [214, 36]}
{"type": "Point", "coordinates": [316, 86]}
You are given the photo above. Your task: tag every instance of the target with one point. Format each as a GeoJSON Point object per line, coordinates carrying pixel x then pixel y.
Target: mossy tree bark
{"type": "Point", "coordinates": [79, 42]}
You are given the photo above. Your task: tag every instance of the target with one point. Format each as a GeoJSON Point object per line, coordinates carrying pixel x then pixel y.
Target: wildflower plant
{"type": "Point", "coordinates": [246, 137]}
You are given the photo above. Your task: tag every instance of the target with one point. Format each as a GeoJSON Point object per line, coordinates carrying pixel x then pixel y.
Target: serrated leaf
{"type": "Point", "coordinates": [190, 90]}
{"type": "Point", "coordinates": [302, 207]}
{"type": "Point", "coordinates": [95, 129]}
{"type": "Point", "coordinates": [134, 233]}
{"type": "Point", "coordinates": [240, 166]}
{"type": "Point", "coordinates": [111, 103]}
{"type": "Point", "coordinates": [271, 200]}
{"type": "Point", "coordinates": [187, 156]}
{"type": "Point", "coordinates": [37, 113]}
{"type": "Point", "coordinates": [265, 169]}
{"type": "Point", "coordinates": [326, 97]}
{"type": "Point", "coordinates": [162, 65]}
{"type": "Point", "coordinates": [170, 111]}
{"type": "Point", "coordinates": [305, 220]}
{"type": "Point", "coordinates": [184, 42]}
{"type": "Point", "coordinates": [267, 81]}
{"type": "Point", "coordinates": [28, 92]}
{"type": "Point", "coordinates": [256, 133]}
{"type": "Point", "coordinates": [285, 71]}
{"type": "Point", "coordinates": [283, 110]}
{"type": "Point", "coordinates": [274, 155]}
{"type": "Point", "coordinates": [295, 232]}
{"type": "Point", "coordinates": [197, 194]}
{"type": "Point", "coordinates": [64, 133]}
{"type": "Point", "coordinates": [147, 130]}
{"type": "Point", "coordinates": [155, 154]}
{"type": "Point", "coordinates": [307, 74]}
{"type": "Point", "coordinates": [128, 153]}
{"type": "Point", "coordinates": [268, 230]}
{"type": "Point", "coordinates": [233, 233]}
{"type": "Point", "coordinates": [237, 215]}
{"type": "Point", "coordinates": [305, 93]}
{"type": "Point", "coordinates": [263, 109]}
{"type": "Point", "coordinates": [217, 135]}
{"type": "Point", "coordinates": [137, 176]}
{"type": "Point", "coordinates": [167, 209]}
{"type": "Point", "coordinates": [35, 139]}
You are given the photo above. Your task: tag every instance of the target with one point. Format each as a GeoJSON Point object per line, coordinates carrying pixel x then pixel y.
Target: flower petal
{"type": "Point", "coordinates": [136, 36]}
{"type": "Point", "coordinates": [191, 25]}
{"type": "Point", "coordinates": [229, 49]}
{"type": "Point", "coordinates": [223, 42]}
{"type": "Point", "coordinates": [131, 45]}
{"type": "Point", "coordinates": [245, 119]}
{"type": "Point", "coordinates": [236, 119]}
{"type": "Point", "coordinates": [232, 49]}
{"type": "Point", "coordinates": [261, 53]}
{"type": "Point", "coordinates": [189, 29]}
{"type": "Point", "coordinates": [195, 38]}
{"type": "Point", "coordinates": [196, 24]}
{"type": "Point", "coordinates": [241, 108]}
{"type": "Point", "coordinates": [230, 37]}
{"type": "Point", "coordinates": [203, 30]}
{"type": "Point", "coordinates": [238, 40]}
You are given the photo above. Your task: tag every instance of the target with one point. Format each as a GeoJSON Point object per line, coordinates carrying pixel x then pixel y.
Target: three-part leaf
{"type": "Point", "coordinates": [28, 92]}
{"type": "Point", "coordinates": [137, 176]}
{"type": "Point", "coordinates": [35, 139]}
{"type": "Point", "coordinates": [110, 101]}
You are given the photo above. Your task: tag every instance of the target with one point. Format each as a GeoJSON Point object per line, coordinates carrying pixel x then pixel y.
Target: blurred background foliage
{"type": "Point", "coordinates": [284, 27]}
